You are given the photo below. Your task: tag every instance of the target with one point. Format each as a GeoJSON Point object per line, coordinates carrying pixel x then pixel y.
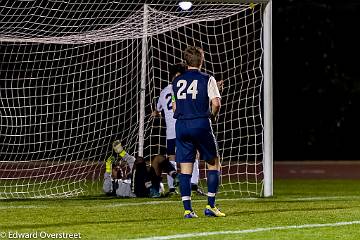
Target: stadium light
{"type": "Point", "coordinates": [184, 5]}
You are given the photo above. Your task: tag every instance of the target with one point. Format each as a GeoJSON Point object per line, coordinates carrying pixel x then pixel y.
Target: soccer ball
{"type": "Point", "coordinates": [185, 5]}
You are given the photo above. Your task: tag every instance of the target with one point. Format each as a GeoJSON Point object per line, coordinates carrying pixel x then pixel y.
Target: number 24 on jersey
{"type": "Point", "coordinates": [184, 89]}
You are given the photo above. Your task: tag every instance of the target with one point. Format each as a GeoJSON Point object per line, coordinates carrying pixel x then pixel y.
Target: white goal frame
{"type": "Point", "coordinates": [95, 70]}
{"type": "Point", "coordinates": [268, 102]}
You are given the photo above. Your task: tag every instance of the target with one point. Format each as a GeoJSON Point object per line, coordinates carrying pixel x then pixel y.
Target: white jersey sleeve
{"type": "Point", "coordinates": [166, 105]}
{"type": "Point", "coordinates": [213, 90]}
{"type": "Point", "coordinates": [159, 107]}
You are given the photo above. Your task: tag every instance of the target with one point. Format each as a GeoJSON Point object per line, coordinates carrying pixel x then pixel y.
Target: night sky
{"type": "Point", "coordinates": [316, 80]}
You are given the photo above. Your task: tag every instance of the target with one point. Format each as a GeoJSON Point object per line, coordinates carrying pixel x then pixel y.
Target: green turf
{"type": "Point", "coordinates": [300, 209]}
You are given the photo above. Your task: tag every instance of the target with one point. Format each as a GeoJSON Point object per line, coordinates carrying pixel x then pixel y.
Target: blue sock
{"type": "Point", "coordinates": [213, 184]}
{"type": "Point", "coordinates": [185, 190]}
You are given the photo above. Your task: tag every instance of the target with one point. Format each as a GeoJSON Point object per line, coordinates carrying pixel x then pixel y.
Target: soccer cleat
{"type": "Point", "coordinates": [190, 214]}
{"type": "Point", "coordinates": [172, 191]}
{"type": "Point", "coordinates": [200, 192]}
{"type": "Point", "coordinates": [154, 193]}
{"type": "Point", "coordinates": [196, 189]}
{"type": "Point", "coordinates": [213, 212]}
{"type": "Point", "coordinates": [117, 146]}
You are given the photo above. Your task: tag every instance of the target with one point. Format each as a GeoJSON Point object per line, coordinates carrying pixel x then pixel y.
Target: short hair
{"type": "Point", "coordinates": [176, 68]}
{"type": "Point", "coordinates": [194, 56]}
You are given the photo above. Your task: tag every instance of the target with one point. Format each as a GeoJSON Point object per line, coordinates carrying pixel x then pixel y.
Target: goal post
{"type": "Point", "coordinates": [268, 102]}
{"type": "Point", "coordinates": [76, 76]}
{"type": "Point", "coordinates": [144, 49]}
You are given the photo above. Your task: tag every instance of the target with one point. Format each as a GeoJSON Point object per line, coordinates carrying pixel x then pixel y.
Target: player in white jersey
{"type": "Point", "coordinates": [164, 105]}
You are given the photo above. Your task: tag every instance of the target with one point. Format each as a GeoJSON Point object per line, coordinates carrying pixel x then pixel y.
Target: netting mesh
{"type": "Point", "coordinates": [70, 82]}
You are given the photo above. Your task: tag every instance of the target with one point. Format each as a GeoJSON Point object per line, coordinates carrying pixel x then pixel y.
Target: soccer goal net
{"type": "Point", "coordinates": [76, 75]}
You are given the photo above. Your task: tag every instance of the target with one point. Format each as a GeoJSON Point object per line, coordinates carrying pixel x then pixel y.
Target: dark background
{"type": "Point", "coordinates": [66, 101]}
{"type": "Point", "coordinates": [316, 80]}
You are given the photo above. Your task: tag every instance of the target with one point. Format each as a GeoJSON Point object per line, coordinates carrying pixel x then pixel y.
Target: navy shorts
{"type": "Point", "coordinates": [170, 146]}
{"type": "Point", "coordinates": [140, 175]}
{"type": "Point", "coordinates": [192, 135]}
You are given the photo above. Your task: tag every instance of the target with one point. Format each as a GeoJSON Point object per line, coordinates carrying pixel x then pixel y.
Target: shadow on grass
{"type": "Point", "coordinates": [231, 214]}
{"type": "Point", "coordinates": [37, 226]}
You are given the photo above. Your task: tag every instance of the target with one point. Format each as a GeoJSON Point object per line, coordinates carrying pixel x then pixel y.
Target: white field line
{"type": "Point", "coordinates": [125, 204]}
{"type": "Point", "coordinates": [233, 199]}
{"type": "Point", "coordinates": [22, 206]}
{"type": "Point", "coordinates": [150, 202]}
{"type": "Point", "coordinates": [254, 230]}
{"type": "Point", "coordinates": [326, 198]}
{"type": "Point", "coordinates": [175, 201]}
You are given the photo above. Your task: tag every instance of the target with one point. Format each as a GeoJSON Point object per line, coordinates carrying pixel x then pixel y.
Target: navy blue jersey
{"type": "Point", "coordinates": [191, 94]}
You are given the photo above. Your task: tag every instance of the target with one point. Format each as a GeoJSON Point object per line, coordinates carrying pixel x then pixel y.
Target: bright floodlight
{"type": "Point", "coordinates": [185, 5]}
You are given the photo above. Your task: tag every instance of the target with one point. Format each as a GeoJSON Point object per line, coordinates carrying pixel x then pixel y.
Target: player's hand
{"type": "Point", "coordinates": [220, 85]}
{"type": "Point", "coordinates": [155, 114]}
{"type": "Point", "coordinates": [213, 118]}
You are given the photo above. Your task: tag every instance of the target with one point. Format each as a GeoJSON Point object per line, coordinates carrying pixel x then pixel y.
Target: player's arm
{"type": "Point", "coordinates": [215, 106]}
{"type": "Point", "coordinates": [216, 102]}
{"type": "Point", "coordinates": [173, 100]}
{"type": "Point", "coordinates": [118, 148]}
{"type": "Point", "coordinates": [156, 113]}
{"type": "Point", "coordinates": [158, 108]}
{"type": "Point", "coordinates": [220, 85]}
{"type": "Point", "coordinates": [214, 95]}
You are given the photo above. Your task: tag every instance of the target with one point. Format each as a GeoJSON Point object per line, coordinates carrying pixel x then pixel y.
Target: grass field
{"type": "Point", "coordinates": [300, 209]}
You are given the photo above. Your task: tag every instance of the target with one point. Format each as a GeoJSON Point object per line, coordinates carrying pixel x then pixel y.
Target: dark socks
{"type": "Point", "coordinates": [213, 184]}
{"type": "Point", "coordinates": [185, 190]}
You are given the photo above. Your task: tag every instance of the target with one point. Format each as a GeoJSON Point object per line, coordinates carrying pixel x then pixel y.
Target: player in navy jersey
{"type": "Point", "coordinates": [164, 106]}
{"type": "Point", "coordinates": [196, 99]}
